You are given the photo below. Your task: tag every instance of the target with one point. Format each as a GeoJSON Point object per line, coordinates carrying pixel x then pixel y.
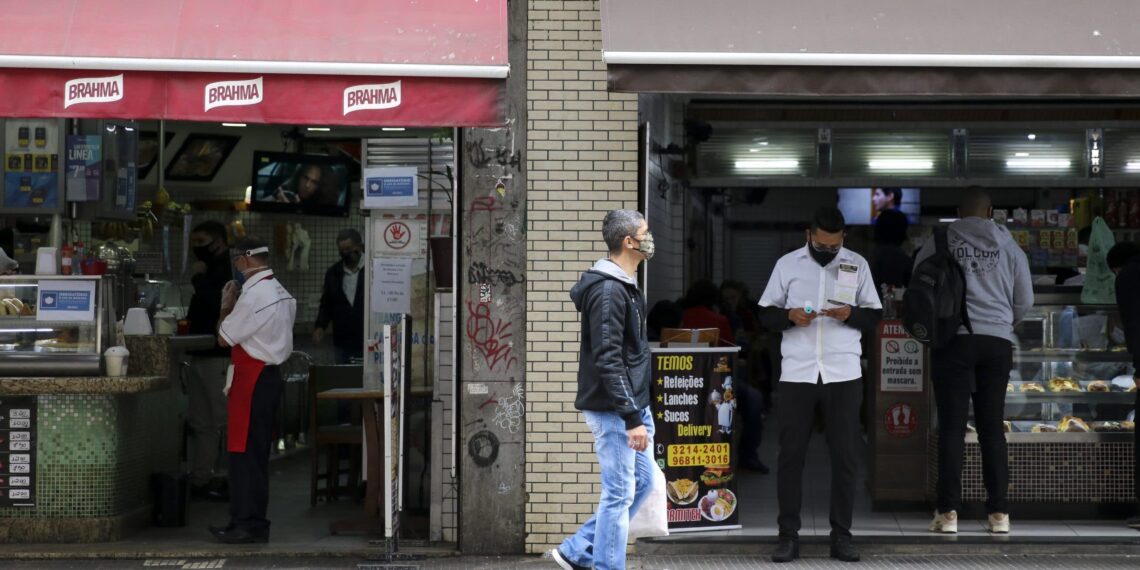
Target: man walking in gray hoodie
{"type": "Point", "coordinates": [999, 291]}
{"type": "Point", "coordinates": [613, 391]}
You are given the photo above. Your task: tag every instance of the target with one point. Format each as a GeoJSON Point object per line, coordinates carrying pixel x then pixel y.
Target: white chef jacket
{"type": "Point", "coordinates": [262, 319]}
{"type": "Point", "coordinates": [827, 348]}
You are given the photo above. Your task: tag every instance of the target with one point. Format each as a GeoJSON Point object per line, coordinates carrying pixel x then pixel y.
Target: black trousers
{"type": "Point", "coordinates": [972, 367]}
{"type": "Point", "coordinates": [1136, 453]}
{"type": "Point", "coordinates": [249, 471]}
{"type": "Point", "coordinates": [795, 412]}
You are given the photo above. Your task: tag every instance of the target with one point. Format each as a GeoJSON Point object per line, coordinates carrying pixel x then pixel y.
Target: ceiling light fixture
{"type": "Point", "coordinates": [318, 129]}
{"type": "Point", "coordinates": [1021, 154]}
{"type": "Point", "coordinates": [1031, 137]}
{"type": "Point", "coordinates": [1133, 166]}
{"type": "Point", "coordinates": [1037, 164]}
{"type": "Point", "coordinates": [903, 164]}
{"type": "Point", "coordinates": [768, 164]}
{"type": "Point", "coordinates": [393, 129]}
{"type": "Point", "coordinates": [233, 124]}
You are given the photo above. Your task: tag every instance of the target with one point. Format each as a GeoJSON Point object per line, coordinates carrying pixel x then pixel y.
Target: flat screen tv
{"type": "Point", "coordinates": [295, 183]}
{"type": "Point", "coordinates": [861, 206]}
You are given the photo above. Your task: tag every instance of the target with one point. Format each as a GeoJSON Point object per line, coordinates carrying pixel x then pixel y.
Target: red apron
{"type": "Point", "coordinates": [247, 369]}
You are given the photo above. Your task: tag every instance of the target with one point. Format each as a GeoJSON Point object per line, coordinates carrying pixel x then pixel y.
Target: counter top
{"type": "Point", "coordinates": [11, 386]}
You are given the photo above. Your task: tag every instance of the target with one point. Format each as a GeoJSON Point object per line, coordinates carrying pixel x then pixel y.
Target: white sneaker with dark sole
{"type": "Point", "coordinates": [946, 523]}
{"type": "Point", "coordinates": [562, 562]}
{"type": "Point", "coordinates": [998, 523]}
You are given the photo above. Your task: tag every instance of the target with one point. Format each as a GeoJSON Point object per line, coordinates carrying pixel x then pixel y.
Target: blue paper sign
{"type": "Point", "coordinates": [389, 187]}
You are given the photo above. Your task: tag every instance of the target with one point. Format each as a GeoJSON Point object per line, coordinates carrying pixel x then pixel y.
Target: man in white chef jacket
{"type": "Point", "coordinates": [821, 297]}
{"type": "Point", "coordinates": [258, 324]}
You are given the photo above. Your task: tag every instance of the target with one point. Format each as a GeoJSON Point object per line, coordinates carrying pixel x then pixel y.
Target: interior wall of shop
{"type": "Point", "coordinates": [750, 253]}
{"type": "Point", "coordinates": [582, 162]}
{"type": "Point", "coordinates": [666, 196]}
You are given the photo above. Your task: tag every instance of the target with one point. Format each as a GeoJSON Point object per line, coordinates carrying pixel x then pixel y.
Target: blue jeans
{"type": "Point", "coordinates": [627, 478]}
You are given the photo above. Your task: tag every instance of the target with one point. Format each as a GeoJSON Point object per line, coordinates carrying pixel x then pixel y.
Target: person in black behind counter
{"type": "Point", "coordinates": [890, 265]}
{"type": "Point", "coordinates": [207, 413]}
{"type": "Point", "coordinates": [1124, 260]}
{"type": "Point", "coordinates": [342, 299]}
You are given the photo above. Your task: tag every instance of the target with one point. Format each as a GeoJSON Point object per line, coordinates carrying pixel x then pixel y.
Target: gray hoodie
{"type": "Point", "coordinates": [999, 288]}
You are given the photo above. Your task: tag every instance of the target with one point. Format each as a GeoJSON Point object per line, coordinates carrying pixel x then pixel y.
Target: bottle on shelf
{"type": "Point", "coordinates": [66, 255]}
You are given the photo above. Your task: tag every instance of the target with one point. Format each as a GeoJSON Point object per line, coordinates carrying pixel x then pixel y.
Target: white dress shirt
{"type": "Point", "coordinates": [348, 282]}
{"type": "Point", "coordinates": [262, 319]}
{"type": "Point", "coordinates": [827, 348]}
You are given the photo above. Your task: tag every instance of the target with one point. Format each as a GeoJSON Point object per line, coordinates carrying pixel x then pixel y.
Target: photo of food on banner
{"type": "Point", "coordinates": [695, 407]}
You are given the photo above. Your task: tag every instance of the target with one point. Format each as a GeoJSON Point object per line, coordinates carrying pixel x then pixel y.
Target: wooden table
{"type": "Point", "coordinates": [371, 410]}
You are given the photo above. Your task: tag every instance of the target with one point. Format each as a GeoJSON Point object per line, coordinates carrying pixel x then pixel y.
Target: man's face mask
{"type": "Point", "coordinates": [821, 253]}
{"type": "Point", "coordinates": [645, 245]}
{"type": "Point", "coordinates": [350, 257]}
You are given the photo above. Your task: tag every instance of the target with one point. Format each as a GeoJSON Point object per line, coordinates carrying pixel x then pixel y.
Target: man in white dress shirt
{"type": "Point", "coordinates": [258, 324]}
{"type": "Point", "coordinates": [821, 297]}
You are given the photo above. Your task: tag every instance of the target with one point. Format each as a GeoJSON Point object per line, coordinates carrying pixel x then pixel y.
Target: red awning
{"type": "Point", "coordinates": [358, 62]}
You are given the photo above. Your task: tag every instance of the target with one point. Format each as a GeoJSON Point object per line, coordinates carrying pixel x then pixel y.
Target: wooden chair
{"type": "Point", "coordinates": [329, 435]}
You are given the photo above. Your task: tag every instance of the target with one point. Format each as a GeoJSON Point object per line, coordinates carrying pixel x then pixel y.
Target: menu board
{"type": "Point", "coordinates": [694, 412]}
{"type": "Point", "coordinates": [18, 451]}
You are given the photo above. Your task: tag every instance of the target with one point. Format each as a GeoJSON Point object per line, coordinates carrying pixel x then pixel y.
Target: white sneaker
{"type": "Point", "coordinates": [562, 562]}
{"type": "Point", "coordinates": [998, 523]}
{"type": "Point", "coordinates": [945, 522]}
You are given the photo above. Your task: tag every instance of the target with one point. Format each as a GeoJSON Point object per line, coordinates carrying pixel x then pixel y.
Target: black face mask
{"type": "Point", "coordinates": [203, 253]}
{"type": "Point", "coordinates": [821, 257]}
{"type": "Point", "coordinates": [350, 258]}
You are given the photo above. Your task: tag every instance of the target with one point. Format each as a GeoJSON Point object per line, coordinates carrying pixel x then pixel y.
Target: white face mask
{"type": "Point", "coordinates": [646, 246]}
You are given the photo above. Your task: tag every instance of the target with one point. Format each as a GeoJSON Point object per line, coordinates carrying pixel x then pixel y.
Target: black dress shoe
{"type": "Point", "coordinates": [843, 549]}
{"type": "Point", "coordinates": [237, 535]}
{"type": "Point", "coordinates": [787, 550]}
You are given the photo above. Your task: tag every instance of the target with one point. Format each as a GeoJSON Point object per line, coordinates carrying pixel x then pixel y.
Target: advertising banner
{"type": "Point", "coordinates": [31, 164]}
{"type": "Point", "coordinates": [84, 167]}
{"type": "Point", "coordinates": [694, 411]}
{"type": "Point", "coordinates": [900, 358]}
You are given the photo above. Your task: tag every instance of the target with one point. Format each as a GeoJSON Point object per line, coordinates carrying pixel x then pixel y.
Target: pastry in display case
{"type": "Point", "coordinates": [1071, 372]}
{"type": "Point", "coordinates": [53, 325]}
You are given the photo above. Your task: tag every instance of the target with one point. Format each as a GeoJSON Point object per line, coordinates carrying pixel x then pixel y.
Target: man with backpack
{"type": "Point", "coordinates": [973, 361]}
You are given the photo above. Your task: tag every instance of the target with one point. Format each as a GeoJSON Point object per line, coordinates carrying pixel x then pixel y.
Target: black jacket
{"type": "Point", "coordinates": [1128, 301]}
{"type": "Point", "coordinates": [347, 319]}
{"type": "Point", "coordinates": [206, 304]}
{"type": "Point", "coordinates": [614, 367]}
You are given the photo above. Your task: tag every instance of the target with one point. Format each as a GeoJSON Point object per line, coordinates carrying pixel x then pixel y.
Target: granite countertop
{"type": "Point", "coordinates": [13, 386]}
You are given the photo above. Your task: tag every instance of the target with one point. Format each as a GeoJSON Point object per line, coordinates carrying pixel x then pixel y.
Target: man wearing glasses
{"type": "Point", "coordinates": [822, 298]}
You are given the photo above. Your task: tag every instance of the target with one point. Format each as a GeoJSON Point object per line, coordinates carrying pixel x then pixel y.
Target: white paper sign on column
{"type": "Point", "coordinates": [391, 285]}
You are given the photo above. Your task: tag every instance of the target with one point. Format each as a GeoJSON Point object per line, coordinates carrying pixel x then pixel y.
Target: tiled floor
{"type": "Point", "coordinates": [757, 494]}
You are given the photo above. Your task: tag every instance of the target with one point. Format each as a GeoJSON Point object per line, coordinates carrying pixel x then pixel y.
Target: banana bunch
{"type": "Point", "coordinates": [13, 307]}
{"type": "Point", "coordinates": [115, 231]}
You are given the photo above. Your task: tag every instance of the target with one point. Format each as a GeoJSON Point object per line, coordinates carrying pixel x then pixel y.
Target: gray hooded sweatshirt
{"type": "Point", "coordinates": [999, 288]}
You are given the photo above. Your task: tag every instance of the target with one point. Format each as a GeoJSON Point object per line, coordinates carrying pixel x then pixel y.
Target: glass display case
{"type": "Point", "coordinates": [1071, 373]}
{"type": "Point", "coordinates": [53, 325]}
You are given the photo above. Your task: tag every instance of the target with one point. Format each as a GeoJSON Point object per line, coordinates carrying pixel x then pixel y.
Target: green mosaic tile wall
{"type": "Point", "coordinates": [95, 453]}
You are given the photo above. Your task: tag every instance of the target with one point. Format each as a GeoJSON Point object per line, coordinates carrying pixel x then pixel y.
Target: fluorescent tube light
{"type": "Point", "coordinates": [393, 129]}
{"type": "Point", "coordinates": [318, 129]}
{"type": "Point", "coordinates": [1037, 164]}
{"type": "Point", "coordinates": [901, 164]}
{"type": "Point", "coordinates": [1133, 166]}
{"type": "Point", "coordinates": [767, 164]}
{"type": "Point", "coordinates": [233, 124]}
{"type": "Point", "coordinates": [1021, 154]}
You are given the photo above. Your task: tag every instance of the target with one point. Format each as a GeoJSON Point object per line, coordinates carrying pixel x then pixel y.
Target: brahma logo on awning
{"type": "Point", "coordinates": [233, 93]}
{"type": "Point", "coordinates": [93, 90]}
{"type": "Point", "coordinates": [377, 96]}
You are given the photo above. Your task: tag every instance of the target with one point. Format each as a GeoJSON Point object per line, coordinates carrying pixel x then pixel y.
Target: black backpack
{"type": "Point", "coordinates": [934, 305]}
